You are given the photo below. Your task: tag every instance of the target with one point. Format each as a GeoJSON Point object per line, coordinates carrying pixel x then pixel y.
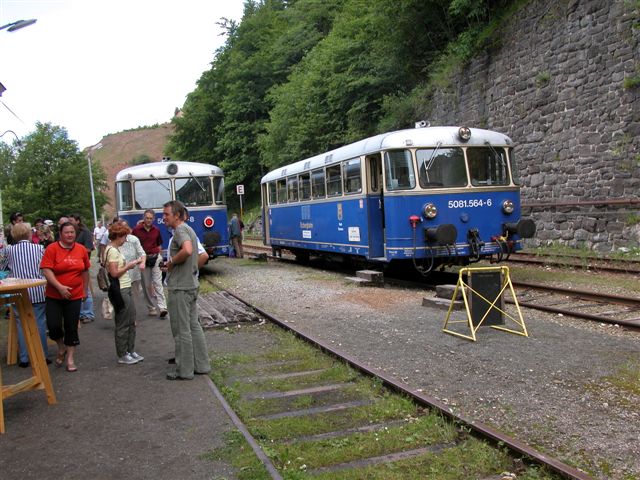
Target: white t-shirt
{"type": "Point", "coordinates": [98, 233]}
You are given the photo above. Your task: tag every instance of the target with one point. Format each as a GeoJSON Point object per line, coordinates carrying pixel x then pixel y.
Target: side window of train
{"type": "Point", "coordinates": [273, 198]}
{"type": "Point", "coordinates": [398, 167]}
{"type": "Point", "coordinates": [282, 190]}
{"type": "Point", "coordinates": [352, 176]}
{"type": "Point", "coordinates": [124, 196]}
{"type": "Point", "coordinates": [488, 166]}
{"type": "Point", "coordinates": [305, 186]}
{"type": "Point", "coordinates": [317, 184]}
{"type": "Point", "coordinates": [441, 167]}
{"type": "Point", "coordinates": [515, 168]}
{"type": "Point", "coordinates": [334, 181]}
{"type": "Point", "coordinates": [374, 173]}
{"type": "Point", "coordinates": [292, 188]}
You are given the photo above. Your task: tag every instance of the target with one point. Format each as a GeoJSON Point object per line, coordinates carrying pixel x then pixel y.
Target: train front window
{"type": "Point", "coordinates": [317, 184]}
{"type": "Point", "coordinates": [352, 176]}
{"type": "Point", "coordinates": [124, 195]}
{"type": "Point", "coordinates": [515, 168]}
{"type": "Point", "coordinates": [487, 166]}
{"type": "Point", "coordinates": [305, 186]}
{"type": "Point", "coordinates": [194, 191]}
{"type": "Point", "coordinates": [273, 198]}
{"type": "Point", "coordinates": [218, 190]}
{"type": "Point", "coordinates": [152, 193]}
{"type": "Point", "coordinates": [334, 181]}
{"type": "Point", "coordinates": [398, 167]}
{"type": "Point", "coordinates": [441, 167]}
{"type": "Point", "coordinates": [281, 187]}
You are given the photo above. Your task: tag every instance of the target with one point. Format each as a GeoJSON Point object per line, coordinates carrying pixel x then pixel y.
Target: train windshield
{"type": "Point", "coordinates": [515, 168]}
{"type": "Point", "coordinates": [398, 166]}
{"type": "Point", "coordinates": [194, 191]}
{"type": "Point", "coordinates": [124, 196]}
{"type": "Point", "coordinates": [488, 166]}
{"type": "Point", "coordinates": [441, 167]}
{"type": "Point", "coordinates": [218, 189]}
{"type": "Point", "coordinates": [152, 193]}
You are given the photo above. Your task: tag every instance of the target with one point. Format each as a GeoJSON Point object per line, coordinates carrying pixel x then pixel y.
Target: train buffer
{"type": "Point", "coordinates": [368, 278]}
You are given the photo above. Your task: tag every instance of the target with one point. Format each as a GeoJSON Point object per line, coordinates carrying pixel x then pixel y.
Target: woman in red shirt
{"type": "Point", "coordinates": [65, 265]}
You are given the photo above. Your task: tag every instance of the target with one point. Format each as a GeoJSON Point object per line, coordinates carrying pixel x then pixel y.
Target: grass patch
{"type": "Point", "coordinates": [335, 374]}
{"type": "Point", "coordinates": [627, 378]}
{"type": "Point", "coordinates": [427, 430]}
{"type": "Point", "coordinates": [388, 407]}
{"type": "Point", "coordinates": [238, 453]}
{"type": "Point", "coordinates": [471, 459]}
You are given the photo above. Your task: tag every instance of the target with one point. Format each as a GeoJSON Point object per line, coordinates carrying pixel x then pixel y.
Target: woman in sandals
{"type": "Point", "coordinates": [65, 265]}
{"type": "Point", "coordinates": [120, 294]}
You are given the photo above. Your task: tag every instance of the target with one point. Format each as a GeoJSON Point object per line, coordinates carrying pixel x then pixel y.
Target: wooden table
{"type": "Point", "coordinates": [40, 379]}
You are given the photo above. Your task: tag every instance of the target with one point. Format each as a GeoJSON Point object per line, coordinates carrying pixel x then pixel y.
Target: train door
{"type": "Point", "coordinates": [266, 234]}
{"type": "Point", "coordinates": [375, 207]}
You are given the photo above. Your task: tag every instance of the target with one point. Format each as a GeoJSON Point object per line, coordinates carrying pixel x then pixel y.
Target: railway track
{"type": "Point", "coordinates": [311, 411]}
{"type": "Point", "coordinates": [583, 304]}
{"type": "Point", "coordinates": [609, 265]}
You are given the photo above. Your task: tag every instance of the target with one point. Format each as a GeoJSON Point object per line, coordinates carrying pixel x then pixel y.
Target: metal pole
{"type": "Point", "coordinates": [240, 206]}
{"type": "Point", "coordinates": [93, 197]}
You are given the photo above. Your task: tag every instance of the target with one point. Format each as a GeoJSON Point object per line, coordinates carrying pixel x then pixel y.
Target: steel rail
{"type": "Point", "coordinates": [576, 262]}
{"type": "Point", "coordinates": [429, 401]}
{"type": "Point", "coordinates": [618, 299]}
{"type": "Point", "coordinates": [266, 461]}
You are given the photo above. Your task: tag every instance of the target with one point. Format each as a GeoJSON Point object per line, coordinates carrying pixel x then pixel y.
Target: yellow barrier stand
{"type": "Point", "coordinates": [506, 283]}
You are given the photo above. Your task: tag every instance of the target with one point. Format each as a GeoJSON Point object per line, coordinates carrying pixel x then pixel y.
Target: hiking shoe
{"type": "Point", "coordinates": [127, 359]}
{"type": "Point", "coordinates": [153, 312]}
{"type": "Point", "coordinates": [163, 313]}
{"type": "Point", "coordinates": [136, 356]}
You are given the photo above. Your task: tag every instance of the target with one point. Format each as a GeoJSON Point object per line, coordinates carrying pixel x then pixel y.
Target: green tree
{"type": "Point", "coordinates": [49, 177]}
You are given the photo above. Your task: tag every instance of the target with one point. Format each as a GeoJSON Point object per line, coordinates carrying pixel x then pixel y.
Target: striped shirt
{"type": "Point", "coordinates": [23, 260]}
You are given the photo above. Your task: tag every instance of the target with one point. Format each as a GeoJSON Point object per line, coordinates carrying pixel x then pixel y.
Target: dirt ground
{"type": "Point", "coordinates": [113, 421]}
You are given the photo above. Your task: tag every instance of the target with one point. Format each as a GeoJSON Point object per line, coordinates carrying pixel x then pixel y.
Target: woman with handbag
{"type": "Point", "coordinates": [65, 265]}
{"type": "Point", "coordinates": [120, 294]}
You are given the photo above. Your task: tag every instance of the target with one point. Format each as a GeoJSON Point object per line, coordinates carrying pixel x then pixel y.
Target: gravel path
{"type": "Point", "coordinates": [553, 390]}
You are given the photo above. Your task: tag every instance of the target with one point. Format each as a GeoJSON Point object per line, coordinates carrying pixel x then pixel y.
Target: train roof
{"type": "Point", "coordinates": [159, 169]}
{"type": "Point", "coordinates": [413, 137]}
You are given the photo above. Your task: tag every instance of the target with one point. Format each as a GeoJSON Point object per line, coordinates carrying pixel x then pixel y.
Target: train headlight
{"type": "Point", "coordinates": [430, 211]}
{"type": "Point", "coordinates": [464, 133]}
{"type": "Point", "coordinates": [507, 207]}
{"type": "Point", "coordinates": [172, 169]}
{"type": "Point", "coordinates": [208, 222]}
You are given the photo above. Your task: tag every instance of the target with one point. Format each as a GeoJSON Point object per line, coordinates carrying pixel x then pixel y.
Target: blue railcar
{"type": "Point", "coordinates": [433, 195]}
{"type": "Point", "coordinates": [199, 186]}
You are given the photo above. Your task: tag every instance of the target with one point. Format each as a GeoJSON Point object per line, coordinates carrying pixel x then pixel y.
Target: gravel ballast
{"type": "Point", "coordinates": [552, 390]}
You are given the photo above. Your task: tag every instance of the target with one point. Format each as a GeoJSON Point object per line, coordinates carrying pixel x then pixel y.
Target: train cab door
{"type": "Point", "coordinates": [375, 205]}
{"type": "Point", "coordinates": [266, 221]}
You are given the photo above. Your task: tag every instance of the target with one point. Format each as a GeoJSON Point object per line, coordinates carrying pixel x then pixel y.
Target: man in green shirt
{"type": "Point", "coordinates": [182, 286]}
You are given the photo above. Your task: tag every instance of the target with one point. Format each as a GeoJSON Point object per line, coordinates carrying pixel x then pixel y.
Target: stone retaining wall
{"type": "Point", "coordinates": [555, 85]}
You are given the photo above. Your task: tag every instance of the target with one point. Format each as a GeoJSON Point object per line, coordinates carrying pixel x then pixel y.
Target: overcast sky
{"type": "Point", "coordinates": [97, 67]}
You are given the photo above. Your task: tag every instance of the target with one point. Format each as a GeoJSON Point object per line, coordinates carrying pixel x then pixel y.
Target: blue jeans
{"type": "Point", "coordinates": [41, 322]}
{"type": "Point", "coordinates": [86, 310]}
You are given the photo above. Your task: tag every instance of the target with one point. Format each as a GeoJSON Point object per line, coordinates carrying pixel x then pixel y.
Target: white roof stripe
{"type": "Point", "coordinates": [159, 169]}
{"type": "Point", "coordinates": [419, 137]}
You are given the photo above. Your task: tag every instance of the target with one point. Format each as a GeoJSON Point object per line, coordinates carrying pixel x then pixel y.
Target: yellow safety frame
{"type": "Point", "coordinates": [506, 282]}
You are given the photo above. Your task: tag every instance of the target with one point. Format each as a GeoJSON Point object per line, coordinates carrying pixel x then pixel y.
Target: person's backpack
{"type": "Point", "coordinates": [103, 275]}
